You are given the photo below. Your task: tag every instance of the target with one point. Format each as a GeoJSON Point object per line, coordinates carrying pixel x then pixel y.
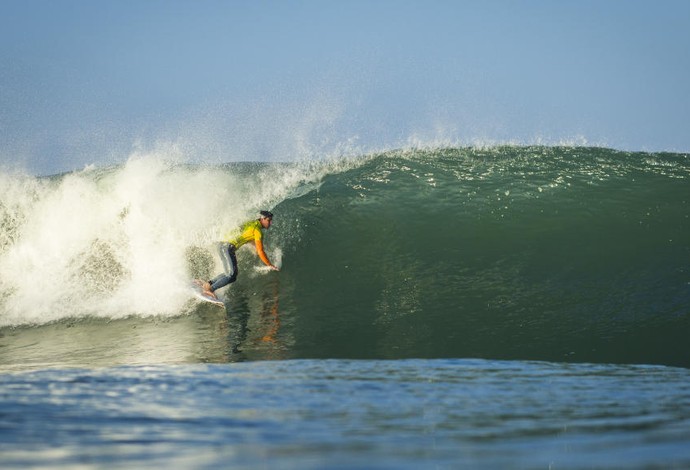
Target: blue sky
{"type": "Point", "coordinates": [85, 82]}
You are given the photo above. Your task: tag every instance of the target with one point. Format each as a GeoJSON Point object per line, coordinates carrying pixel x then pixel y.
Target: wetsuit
{"type": "Point", "coordinates": [250, 231]}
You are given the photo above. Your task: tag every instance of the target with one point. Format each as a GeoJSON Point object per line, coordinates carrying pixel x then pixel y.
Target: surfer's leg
{"type": "Point", "coordinates": [227, 256]}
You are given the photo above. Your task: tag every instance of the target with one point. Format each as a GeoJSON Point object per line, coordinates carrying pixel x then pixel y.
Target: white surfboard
{"type": "Point", "coordinates": [198, 292]}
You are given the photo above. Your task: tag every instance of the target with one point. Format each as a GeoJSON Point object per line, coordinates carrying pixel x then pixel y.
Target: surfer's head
{"type": "Point", "coordinates": [265, 217]}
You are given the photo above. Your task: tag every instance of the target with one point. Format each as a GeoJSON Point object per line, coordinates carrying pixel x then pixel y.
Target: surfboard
{"type": "Point", "coordinates": [198, 292]}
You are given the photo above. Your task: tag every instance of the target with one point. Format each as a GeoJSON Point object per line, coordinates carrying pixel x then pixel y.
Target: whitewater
{"type": "Point", "coordinates": [465, 304]}
{"type": "Point", "coordinates": [116, 242]}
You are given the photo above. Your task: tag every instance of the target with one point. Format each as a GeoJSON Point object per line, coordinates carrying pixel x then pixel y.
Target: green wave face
{"type": "Point", "coordinates": [530, 253]}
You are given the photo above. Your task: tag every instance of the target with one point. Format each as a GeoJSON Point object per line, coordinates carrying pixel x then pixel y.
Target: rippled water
{"type": "Point", "coordinates": [348, 414]}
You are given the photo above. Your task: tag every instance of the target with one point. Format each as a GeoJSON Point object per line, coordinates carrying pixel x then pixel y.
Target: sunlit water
{"type": "Point", "coordinates": [347, 414]}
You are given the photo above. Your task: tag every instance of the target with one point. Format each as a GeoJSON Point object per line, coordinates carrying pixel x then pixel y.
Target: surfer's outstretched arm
{"type": "Point", "coordinates": [262, 255]}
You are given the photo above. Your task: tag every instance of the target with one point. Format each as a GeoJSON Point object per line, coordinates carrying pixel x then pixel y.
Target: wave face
{"type": "Point", "coordinates": [532, 253]}
{"type": "Point", "coordinates": [545, 253]}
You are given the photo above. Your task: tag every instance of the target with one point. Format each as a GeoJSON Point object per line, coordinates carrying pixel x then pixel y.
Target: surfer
{"type": "Point", "coordinates": [249, 231]}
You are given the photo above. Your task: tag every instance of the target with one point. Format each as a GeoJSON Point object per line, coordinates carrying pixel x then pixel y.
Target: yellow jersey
{"type": "Point", "coordinates": [250, 231]}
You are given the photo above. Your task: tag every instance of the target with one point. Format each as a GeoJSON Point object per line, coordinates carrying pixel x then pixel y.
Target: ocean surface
{"type": "Point", "coordinates": [499, 307]}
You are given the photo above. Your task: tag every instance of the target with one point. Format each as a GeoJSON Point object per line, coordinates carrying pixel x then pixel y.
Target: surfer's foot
{"type": "Point", "coordinates": [205, 285]}
{"type": "Point", "coordinates": [210, 294]}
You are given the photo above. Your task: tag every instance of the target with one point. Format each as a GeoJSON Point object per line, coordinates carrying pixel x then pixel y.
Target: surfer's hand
{"type": "Point", "coordinates": [274, 268]}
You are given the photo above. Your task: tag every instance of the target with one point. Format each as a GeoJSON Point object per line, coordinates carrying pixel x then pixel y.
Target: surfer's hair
{"type": "Point", "coordinates": [266, 214]}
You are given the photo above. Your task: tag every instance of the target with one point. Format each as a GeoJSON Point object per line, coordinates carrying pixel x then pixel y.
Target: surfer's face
{"type": "Point", "coordinates": [266, 222]}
